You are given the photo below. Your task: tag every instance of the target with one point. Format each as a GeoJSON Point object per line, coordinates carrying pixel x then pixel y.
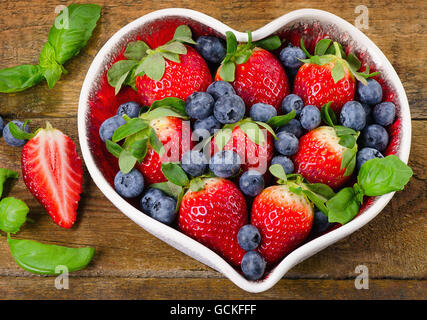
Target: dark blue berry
{"type": "Point", "coordinates": [1, 126]}
{"type": "Point", "coordinates": [199, 105]}
{"type": "Point", "coordinates": [384, 113]}
{"type": "Point", "coordinates": [129, 185]}
{"type": "Point", "coordinates": [225, 163]}
{"type": "Point", "coordinates": [212, 49]}
{"type": "Point", "coordinates": [375, 136]}
{"type": "Point", "coordinates": [262, 112]}
{"type": "Point", "coordinates": [159, 206]}
{"type": "Point", "coordinates": [289, 57]}
{"type": "Point", "coordinates": [110, 125]}
{"type": "Point", "coordinates": [293, 126]}
{"type": "Point", "coordinates": [149, 197]}
{"type": "Point", "coordinates": [320, 223]}
{"type": "Point", "coordinates": [218, 89]}
{"type": "Point", "coordinates": [285, 162]}
{"type": "Point", "coordinates": [251, 183]}
{"type": "Point", "coordinates": [11, 140]}
{"type": "Point", "coordinates": [194, 163]}
{"type": "Point", "coordinates": [249, 237]}
{"type": "Point", "coordinates": [366, 154]}
{"type": "Point", "coordinates": [229, 109]}
{"type": "Point", "coordinates": [368, 112]}
{"type": "Point", "coordinates": [131, 109]}
{"type": "Point", "coordinates": [292, 102]}
{"type": "Point", "coordinates": [253, 265]}
{"type": "Point", "coordinates": [371, 93]}
{"type": "Point", "coordinates": [310, 117]}
{"type": "Point", "coordinates": [353, 115]}
{"type": "Point", "coordinates": [205, 128]}
{"type": "Point", "coordinates": [286, 143]}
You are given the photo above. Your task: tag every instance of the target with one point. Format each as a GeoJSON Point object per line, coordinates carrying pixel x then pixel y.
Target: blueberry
{"type": "Point", "coordinates": [293, 126]}
{"type": "Point", "coordinates": [285, 162]}
{"type": "Point", "coordinates": [289, 57]}
{"type": "Point", "coordinates": [262, 112]}
{"type": "Point", "coordinates": [218, 89]}
{"type": "Point", "coordinates": [286, 143]}
{"type": "Point", "coordinates": [205, 128]}
{"type": "Point", "coordinates": [212, 49]}
{"type": "Point", "coordinates": [251, 183]}
{"type": "Point", "coordinates": [371, 93]}
{"type": "Point", "coordinates": [11, 140]}
{"type": "Point", "coordinates": [253, 265]}
{"type": "Point", "coordinates": [249, 237]}
{"type": "Point", "coordinates": [129, 185]}
{"type": "Point", "coordinates": [159, 206]}
{"type": "Point", "coordinates": [131, 109]}
{"type": "Point", "coordinates": [320, 223]}
{"type": "Point", "coordinates": [225, 163]}
{"type": "Point", "coordinates": [110, 125]}
{"type": "Point", "coordinates": [310, 117]}
{"type": "Point", "coordinates": [149, 197]}
{"type": "Point", "coordinates": [229, 109]}
{"type": "Point", "coordinates": [375, 136]}
{"type": "Point", "coordinates": [194, 163]}
{"type": "Point", "coordinates": [366, 154]}
{"type": "Point", "coordinates": [353, 115]}
{"type": "Point", "coordinates": [1, 126]}
{"type": "Point", "coordinates": [368, 113]}
{"type": "Point", "coordinates": [384, 113]}
{"type": "Point", "coordinates": [199, 105]}
{"type": "Point", "coordinates": [292, 102]}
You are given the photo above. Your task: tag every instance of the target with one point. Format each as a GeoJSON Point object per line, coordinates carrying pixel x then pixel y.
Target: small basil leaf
{"type": "Point", "coordinates": [179, 199]}
{"type": "Point", "coordinates": [254, 133]}
{"type": "Point", "coordinates": [322, 46]}
{"type": "Point", "coordinates": [270, 43]}
{"type": "Point", "coordinates": [13, 213]}
{"type": "Point", "coordinates": [353, 62]}
{"type": "Point", "coordinates": [52, 71]}
{"type": "Point", "coordinates": [343, 207]}
{"type": "Point", "coordinates": [227, 71]}
{"type": "Point", "coordinates": [332, 50]}
{"type": "Point", "coordinates": [279, 121]}
{"type": "Point", "coordinates": [222, 138]}
{"type": "Point", "coordinates": [174, 173]}
{"type": "Point", "coordinates": [321, 189]}
{"type": "Point", "coordinates": [342, 131]}
{"type": "Point", "coordinates": [126, 161]}
{"type": "Point", "coordinates": [267, 127]}
{"type": "Point", "coordinates": [155, 143]}
{"type": "Point", "coordinates": [154, 66]}
{"type": "Point", "coordinates": [337, 71]}
{"type": "Point", "coordinates": [169, 188]}
{"type": "Point", "coordinates": [20, 78]}
{"type": "Point", "coordinates": [318, 202]}
{"type": "Point", "coordinates": [183, 34]}
{"type": "Point", "coordinates": [302, 45]}
{"type": "Point", "coordinates": [136, 50]}
{"type": "Point", "coordinates": [348, 161]}
{"type": "Point", "coordinates": [278, 171]}
{"type": "Point", "coordinates": [328, 115]}
{"type": "Point", "coordinates": [133, 126]}
{"type": "Point", "coordinates": [174, 47]}
{"type": "Point", "coordinates": [171, 102]}
{"type": "Point", "coordinates": [119, 72]}
{"type": "Point", "coordinates": [113, 148]}
{"type": "Point", "coordinates": [41, 258]}
{"type": "Point", "coordinates": [160, 112]}
{"type": "Point", "coordinates": [243, 56]}
{"type": "Point", "coordinates": [171, 56]}
{"type": "Point", "coordinates": [4, 175]}
{"type": "Point", "coordinates": [380, 176]}
{"type": "Point", "coordinates": [18, 133]}
{"type": "Point", "coordinates": [231, 43]}
{"type": "Point", "coordinates": [197, 184]}
{"type": "Point", "coordinates": [347, 141]}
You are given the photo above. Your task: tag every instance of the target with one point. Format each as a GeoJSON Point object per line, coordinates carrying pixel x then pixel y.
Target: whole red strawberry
{"type": "Point", "coordinates": [213, 216]}
{"type": "Point", "coordinates": [322, 159]}
{"type": "Point", "coordinates": [255, 73]}
{"type": "Point", "coordinates": [283, 218]}
{"type": "Point", "coordinates": [328, 76]}
{"type": "Point", "coordinates": [53, 172]}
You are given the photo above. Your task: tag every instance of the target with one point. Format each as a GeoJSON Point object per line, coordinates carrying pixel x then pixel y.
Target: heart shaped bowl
{"type": "Point", "coordinates": [96, 105]}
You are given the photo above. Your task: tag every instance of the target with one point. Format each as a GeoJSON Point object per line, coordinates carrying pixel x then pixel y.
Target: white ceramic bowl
{"type": "Point", "coordinates": [340, 29]}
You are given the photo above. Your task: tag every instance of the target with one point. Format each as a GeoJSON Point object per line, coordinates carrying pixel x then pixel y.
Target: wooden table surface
{"type": "Point", "coordinates": [132, 264]}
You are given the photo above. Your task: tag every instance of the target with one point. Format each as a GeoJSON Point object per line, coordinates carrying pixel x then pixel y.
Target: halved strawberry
{"type": "Point", "coordinates": [53, 172]}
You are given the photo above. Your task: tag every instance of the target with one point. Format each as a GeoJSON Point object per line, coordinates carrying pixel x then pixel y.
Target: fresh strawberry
{"type": "Point", "coordinates": [214, 215]}
{"type": "Point", "coordinates": [53, 172]}
{"type": "Point", "coordinates": [174, 134]}
{"type": "Point", "coordinates": [284, 220]}
{"type": "Point", "coordinates": [255, 154]}
{"type": "Point", "coordinates": [322, 159]}
{"type": "Point", "coordinates": [327, 77]}
{"type": "Point", "coordinates": [256, 74]}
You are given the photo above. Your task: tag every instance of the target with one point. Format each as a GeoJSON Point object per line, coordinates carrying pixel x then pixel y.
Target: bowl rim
{"type": "Point", "coordinates": [178, 239]}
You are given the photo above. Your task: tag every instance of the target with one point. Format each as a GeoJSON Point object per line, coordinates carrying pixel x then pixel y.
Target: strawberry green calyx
{"type": "Point", "coordinates": [239, 54]}
{"type": "Point", "coordinates": [142, 60]}
{"type": "Point", "coordinates": [138, 134]}
{"type": "Point", "coordinates": [324, 53]}
{"type": "Point", "coordinates": [21, 134]}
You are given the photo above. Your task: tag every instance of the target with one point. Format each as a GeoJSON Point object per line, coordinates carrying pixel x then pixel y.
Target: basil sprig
{"type": "Point", "coordinates": [72, 29]}
{"type": "Point", "coordinates": [4, 175]}
{"type": "Point", "coordinates": [142, 60]}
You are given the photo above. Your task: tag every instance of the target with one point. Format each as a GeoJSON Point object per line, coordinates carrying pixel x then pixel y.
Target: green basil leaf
{"type": "Point", "coordinates": [160, 112]}
{"type": "Point", "coordinates": [270, 43]}
{"type": "Point", "coordinates": [52, 71]}
{"type": "Point", "coordinates": [380, 176]}
{"type": "Point", "coordinates": [174, 173]}
{"type": "Point", "coordinates": [254, 133]}
{"type": "Point", "coordinates": [171, 56]}
{"type": "Point", "coordinates": [348, 161]}
{"type": "Point", "coordinates": [20, 78]}
{"type": "Point", "coordinates": [322, 46]}
{"type": "Point", "coordinates": [137, 147]}
{"type": "Point", "coordinates": [231, 43]}
{"type": "Point", "coordinates": [13, 213]}
{"type": "Point", "coordinates": [183, 34]}
{"type": "Point", "coordinates": [342, 131]}
{"type": "Point", "coordinates": [113, 148]}
{"type": "Point", "coordinates": [227, 71]}
{"type": "Point", "coordinates": [267, 127]}
{"type": "Point", "coordinates": [175, 103]}
{"type": "Point", "coordinates": [4, 175]}
{"type": "Point", "coordinates": [303, 48]}
{"type": "Point", "coordinates": [154, 66]}
{"type": "Point", "coordinates": [328, 115]}
{"type": "Point", "coordinates": [337, 71]}
{"type": "Point", "coordinates": [18, 133]}
{"type": "Point", "coordinates": [353, 62]}
{"type": "Point", "coordinates": [126, 161]}
{"type": "Point", "coordinates": [332, 50]}
{"type": "Point", "coordinates": [179, 199]}
{"type": "Point", "coordinates": [133, 126]}
{"type": "Point", "coordinates": [321, 189]}
{"type": "Point", "coordinates": [222, 138]}
{"type": "Point", "coordinates": [347, 141]}
{"type": "Point", "coordinates": [343, 207]}
{"type": "Point", "coordinates": [279, 121]}
{"type": "Point", "coordinates": [155, 143]}
{"type": "Point", "coordinates": [174, 47]}
{"type": "Point", "coordinates": [169, 188]}
{"type": "Point", "coordinates": [72, 29]}
{"type": "Point", "coordinates": [136, 50]}
{"type": "Point", "coordinates": [278, 171]}
{"type": "Point", "coordinates": [119, 73]}
{"type": "Point", "coordinates": [197, 184]}
{"type": "Point", "coordinates": [41, 258]}
{"type": "Point", "coordinates": [318, 201]}
{"type": "Point", "coordinates": [243, 56]}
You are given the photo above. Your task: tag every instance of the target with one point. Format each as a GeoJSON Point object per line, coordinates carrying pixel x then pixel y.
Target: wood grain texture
{"type": "Point", "coordinates": [132, 264]}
